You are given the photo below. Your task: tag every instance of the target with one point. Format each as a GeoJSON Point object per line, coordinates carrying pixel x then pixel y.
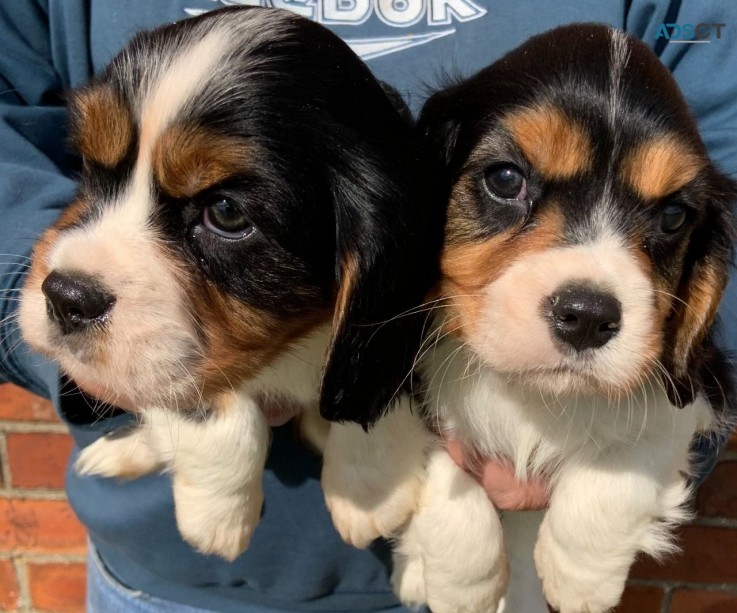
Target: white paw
{"type": "Point", "coordinates": [477, 597]}
{"type": "Point", "coordinates": [123, 455]}
{"type": "Point", "coordinates": [408, 580]}
{"type": "Point", "coordinates": [362, 516]}
{"type": "Point", "coordinates": [216, 522]}
{"type": "Point", "coordinates": [570, 587]}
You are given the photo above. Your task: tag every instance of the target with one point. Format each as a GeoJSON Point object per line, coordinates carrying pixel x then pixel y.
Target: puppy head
{"type": "Point", "coordinates": [238, 169]}
{"type": "Point", "coordinates": [588, 234]}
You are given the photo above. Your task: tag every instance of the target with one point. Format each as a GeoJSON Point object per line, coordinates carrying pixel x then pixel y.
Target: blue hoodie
{"type": "Point", "coordinates": [296, 561]}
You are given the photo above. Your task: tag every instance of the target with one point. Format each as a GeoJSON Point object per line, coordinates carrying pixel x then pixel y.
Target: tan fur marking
{"type": "Point", "coordinates": [105, 126]}
{"type": "Point", "coordinates": [697, 315]}
{"type": "Point", "coordinates": [660, 167]}
{"type": "Point", "coordinates": [461, 222]}
{"type": "Point", "coordinates": [241, 340]}
{"type": "Point", "coordinates": [467, 268]}
{"type": "Point", "coordinates": [557, 147]}
{"type": "Point", "coordinates": [347, 284]}
{"type": "Point", "coordinates": [188, 159]}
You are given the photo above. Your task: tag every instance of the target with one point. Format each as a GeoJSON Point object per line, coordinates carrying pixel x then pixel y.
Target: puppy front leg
{"type": "Point", "coordinates": [127, 453]}
{"type": "Point", "coordinates": [461, 542]}
{"type": "Point", "coordinates": [599, 518]}
{"type": "Point", "coordinates": [217, 478]}
{"type": "Point", "coordinates": [372, 480]}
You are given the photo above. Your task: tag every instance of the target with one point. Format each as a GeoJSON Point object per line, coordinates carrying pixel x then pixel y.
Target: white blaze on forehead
{"type": "Point", "coordinates": [618, 57]}
{"type": "Point", "coordinates": [184, 75]}
{"type": "Point", "coordinates": [604, 214]}
{"type": "Point", "coordinates": [182, 78]}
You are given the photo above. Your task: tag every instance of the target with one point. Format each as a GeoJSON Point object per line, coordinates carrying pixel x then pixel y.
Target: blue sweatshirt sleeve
{"type": "Point", "coordinates": [35, 164]}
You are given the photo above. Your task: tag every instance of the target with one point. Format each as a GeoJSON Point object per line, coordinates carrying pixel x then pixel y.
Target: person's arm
{"type": "Point", "coordinates": [35, 166]}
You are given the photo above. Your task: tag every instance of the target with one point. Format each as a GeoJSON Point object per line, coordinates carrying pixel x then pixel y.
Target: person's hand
{"type": "Point", "coordinates": [497, 477]}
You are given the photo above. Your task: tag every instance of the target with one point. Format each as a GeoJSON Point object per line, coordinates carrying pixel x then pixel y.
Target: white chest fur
{"type": "Point", "coordinates": [540, 433]}
{"type": "Point", "coordinates": [617, 486]}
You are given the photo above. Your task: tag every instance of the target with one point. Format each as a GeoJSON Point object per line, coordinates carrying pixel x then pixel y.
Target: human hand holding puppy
{"type": "Point", "coordinates": [505, 491]}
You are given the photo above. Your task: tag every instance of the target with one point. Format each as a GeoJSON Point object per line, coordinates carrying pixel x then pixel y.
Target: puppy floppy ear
{"type": "Point", "coordinates": [440, 126]}
{"type": "Point", "coordinates": [705, 276]}
{"type": "Point", "coordinates": [389, 228]}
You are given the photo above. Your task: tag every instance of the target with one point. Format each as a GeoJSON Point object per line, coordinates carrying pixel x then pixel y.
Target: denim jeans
{"type": "Point", "coordinates": [105, 594]}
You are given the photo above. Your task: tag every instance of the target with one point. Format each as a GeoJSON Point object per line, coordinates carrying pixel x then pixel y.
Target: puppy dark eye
{"type": "Point", "coordinates": [672, 218]}
{"type": "Point", "coordinates": [224, 218]}
{"type": "Point", "coordinates": [506, 182]}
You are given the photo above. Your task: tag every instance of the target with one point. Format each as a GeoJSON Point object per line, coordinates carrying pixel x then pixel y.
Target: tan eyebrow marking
{"type": "Point", "coordinates": [188, 159]}
{"type": "Point", "coordinates": [556, 146]}
{"type": "Point", "coordinates": [103, 125]}
{"type": "Point", "coordinates": [660, 167]}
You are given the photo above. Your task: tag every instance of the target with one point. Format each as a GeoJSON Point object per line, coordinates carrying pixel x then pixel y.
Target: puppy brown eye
{"type": "Point", "coordinates": [506, 182]}
{"type": "Point", "coordinates": [672, 218]}
{"type": "Point", "coordinates": [225, 219]}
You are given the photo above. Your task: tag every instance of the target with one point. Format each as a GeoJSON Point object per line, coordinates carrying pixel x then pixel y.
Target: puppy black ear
{"type": "Point", "coordinates": [397, 102]}
{"type": "Point", "coordinates": [389, 229]}
{"type": "Point", "coordinates": [390, 223]}
{"type": "Point", "coordinates": [706, 272]}
{"type": "Point", "coordinates": [440, 126]}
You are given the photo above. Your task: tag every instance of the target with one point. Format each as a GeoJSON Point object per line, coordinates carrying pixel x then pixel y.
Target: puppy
{"type": "Point", "coordinates": [247, 190]}
{"type": "Point", "coordinates": [587, 247]}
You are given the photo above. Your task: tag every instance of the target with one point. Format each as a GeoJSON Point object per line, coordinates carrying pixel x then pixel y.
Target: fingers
{"type": "Point", "coordinates": [498, 479]}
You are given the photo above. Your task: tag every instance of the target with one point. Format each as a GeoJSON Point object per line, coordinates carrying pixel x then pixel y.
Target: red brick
{"type": "Point", "coordinates": [691, 601]}
{"type": "Point", "coordinates": [641, 599]}
{"type": "Point", "coordinates": [732, 444]}
{"type": "Point", "coordinates": [38, 459]}
{"type": "Point", "coordinates": [708, 557]}
{"type": "Point", "coordinates": [46, 526]}
{"type": "Point", "coordinates": [57, 587]}
{"type": "Point", "coordinates": [8, 586]}
{"type": "Point", "coordinates": [20, 405]}
{"type": "Point", "coordinates": [718, 495]}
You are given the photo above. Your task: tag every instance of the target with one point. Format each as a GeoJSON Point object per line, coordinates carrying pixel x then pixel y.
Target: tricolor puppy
{"type": "Point", "coordinates": [247, 190]}
{"type": "Point", "coordinates": [587, 247]}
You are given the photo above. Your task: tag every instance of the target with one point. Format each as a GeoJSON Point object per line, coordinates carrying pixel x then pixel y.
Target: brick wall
{"type": "Point", "coordinates": [42, 545]}
{"type": "Point", "coordinates": [703, 579]}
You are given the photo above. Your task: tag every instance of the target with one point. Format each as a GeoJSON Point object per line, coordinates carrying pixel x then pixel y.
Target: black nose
{"type": "Point", "coordinates": [74, 300]}
{"type": "Point", "coordinates": [584, 318]}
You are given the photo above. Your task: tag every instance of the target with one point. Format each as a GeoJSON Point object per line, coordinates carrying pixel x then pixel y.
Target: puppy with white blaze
{"type": "Point", "coordinates": [251, 204]}
{"type": "Point", "coordinates": [587, 246]}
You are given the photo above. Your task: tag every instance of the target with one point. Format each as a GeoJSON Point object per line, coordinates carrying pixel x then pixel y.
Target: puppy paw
{"type": "Point", "coordinates": [363, 514]}
{"type": "Point", "coordinates": [570, 587]}
{"type": "Point", "coordinates": [214, 522]}
{"type": "Point", "coordinates": [408, 580]}
{"type": "Point", "coordinates": [469, 597]}
{"type": "Point", "coordinates": [123, 454]}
